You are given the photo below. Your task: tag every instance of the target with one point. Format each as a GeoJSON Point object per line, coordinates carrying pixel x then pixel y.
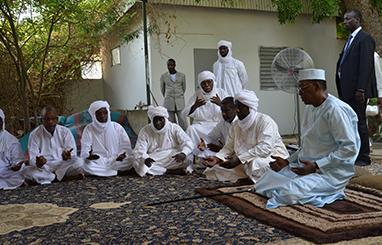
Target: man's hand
{"type": "Point", "coordinates": [121, 157]}
{"type": "Point", "coordinates": [211, 161]}
{"type": "Point", "coordinates": [66, 155]}
{"type": "Point", "coordinates": [214, 148]}
{"type": "Point", "coordinates": [180, 157]}
{"type": "Point", "coordinates": [232, 162]}
{"type": "Point", "coordinates": [202, 145]}
{"type": "Point", "coordinates": [309, 168]}
{"type": "Point", "coordinates": [360, 96]}
{"type": "Point", "coordinates": [17, 166]}
{"type": "Point", "coordinates": [92, 156]}
{"type": "Point", "coordinates": [40, 161]}
{"type": "Point", "coordinates": [149, 161]}
{"type": "Point", "coordinates": [216, 100]}
{"type": "Point", "coordinates": [278, 164]}
{"type": "Point", "coordinates": [198, 103]}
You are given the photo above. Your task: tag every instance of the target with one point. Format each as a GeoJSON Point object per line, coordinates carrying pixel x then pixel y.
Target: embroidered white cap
{"type": "Point", "coordinates": [311, 74]}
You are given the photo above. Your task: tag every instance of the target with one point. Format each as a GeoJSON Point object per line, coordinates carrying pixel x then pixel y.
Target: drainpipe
{"type": "Point", "coordinates": [146, 50]}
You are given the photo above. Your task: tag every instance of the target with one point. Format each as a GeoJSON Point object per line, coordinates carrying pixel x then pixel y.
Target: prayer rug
{"type": "Point", "coordinates": [359, 215]}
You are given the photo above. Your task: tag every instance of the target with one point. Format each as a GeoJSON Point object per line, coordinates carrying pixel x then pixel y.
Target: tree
{"type": "Point", "coordinates": [46, 41]}
{"type": "Point", "coordinates": [288, 10]}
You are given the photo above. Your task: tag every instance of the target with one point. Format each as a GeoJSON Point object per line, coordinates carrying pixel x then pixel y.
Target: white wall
{"type": "Point", "coordinates": [248, 30]}
{"type": "Point", "coordinates": [125, 83]}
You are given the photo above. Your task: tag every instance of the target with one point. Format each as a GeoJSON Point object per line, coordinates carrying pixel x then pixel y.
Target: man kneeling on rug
{"type": "Point", "coordinates": [161, 145]}
{"type": "Point", "coordinates": [252, 140]}
{"type": "Point", "coordinates": [318, 172]}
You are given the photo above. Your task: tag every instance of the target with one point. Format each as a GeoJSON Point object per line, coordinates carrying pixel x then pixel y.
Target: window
{"type": "Point", "coordinates": [267, 55]}
{"type": "Point", "coordinates": [115, 56]}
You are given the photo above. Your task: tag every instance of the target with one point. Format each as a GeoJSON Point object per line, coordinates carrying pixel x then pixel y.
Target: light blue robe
{"type": "Point", "coordinates": [329, 138]}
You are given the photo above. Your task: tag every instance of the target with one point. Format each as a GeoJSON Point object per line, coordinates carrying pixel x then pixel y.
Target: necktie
{"type": "Point", "coordinates": [346, 49]}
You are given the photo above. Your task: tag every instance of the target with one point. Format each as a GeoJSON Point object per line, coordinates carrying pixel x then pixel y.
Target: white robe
{"type": "Point", "coordinates": [10, 155]}
{"type": "Point", "coordinates": [254, 148]}
{"type": "Point", "coordinates": [204, 117]}
{"type": "Point", "coordinates": [217, 136]}
{"type": "Point", "coordinates": [329, 138]}
{"type": "Point", "coordinates": [230, 75]}
{"type": "Point", "coordinates": [161, 147]}
{"type": "Point", "coordinates": [108, 144]}
{"type": "Point", "coordinates": [42, 143]}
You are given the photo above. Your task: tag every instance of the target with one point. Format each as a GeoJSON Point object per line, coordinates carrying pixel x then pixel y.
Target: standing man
{"type": "Point", "coordinates": [173, 86]}
{"type": "Point", "coordinates": [355, 77]}
{"type": "Point", "coordinates": [230, 73]}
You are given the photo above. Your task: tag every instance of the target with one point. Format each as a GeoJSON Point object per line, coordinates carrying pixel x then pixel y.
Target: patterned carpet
{"type": "Point", "coordinates": [113, 210]}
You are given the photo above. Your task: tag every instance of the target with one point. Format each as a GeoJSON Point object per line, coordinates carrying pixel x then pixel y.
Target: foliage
{"type": "Point", "coordinates": [46, 41]}
{"type": "Point", "coordinates": [288, 10]}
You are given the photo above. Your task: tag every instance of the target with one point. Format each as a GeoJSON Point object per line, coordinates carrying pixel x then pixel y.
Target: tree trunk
{"type": "Point", "coordinates": [370, 19]}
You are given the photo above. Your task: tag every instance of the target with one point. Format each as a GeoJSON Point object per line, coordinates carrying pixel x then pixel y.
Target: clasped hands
{"type": "Point", "coordinates": [231, 161]}
{"type": "Point", "coordinates": [279, 163]}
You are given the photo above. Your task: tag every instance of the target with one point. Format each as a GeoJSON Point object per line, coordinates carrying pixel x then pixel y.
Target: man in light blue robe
{"type": "Point", "coordinates": [318, 172]}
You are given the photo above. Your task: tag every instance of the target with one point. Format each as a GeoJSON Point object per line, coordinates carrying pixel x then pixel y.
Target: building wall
{"type": "Point", "coordinates": [247, 30]}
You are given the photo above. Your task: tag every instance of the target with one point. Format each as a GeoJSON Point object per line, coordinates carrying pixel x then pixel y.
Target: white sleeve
{"type": "Point", "coordinates": [124, 141]}
{"type": "Point", "coordinates": [378, 73]}
{"type": "Point", "coordinates": [33, 147]}
{"type": "Point", "coordinates": [69, 142]}
{"type": "Point", "coordinates": [142, 145]}
{"type": "Point", "coordinates": [184, 140]}
{"type": "Point", "coordinates": [242, 73]}
{"type": "Point", "coordinates": [16, 154]}
{"type": "Point", "coordinates": [86, 142]}
{"type": "Point", "coordinates": [228, 148]}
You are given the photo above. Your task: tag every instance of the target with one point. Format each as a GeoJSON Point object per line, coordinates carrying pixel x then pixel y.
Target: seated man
{"type": "Point", "coordinates": [319, 171]}
{"type": "Point", "coordinates": [253, 139]}
{"type": "Point", "coordinates": [204, 108]}
{"type": "Point", "coordinates": [161, 145]}
{"type": "Point", "coordinates": [105, 145]}
{"type": "Point", "coordinates": [220, 132]}
{"type": "Point", "coordinates": [11, 158]}
{"type": "Point", "coordinates": [52, 151]}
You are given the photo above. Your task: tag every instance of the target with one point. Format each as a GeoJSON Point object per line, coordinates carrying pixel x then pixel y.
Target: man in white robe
{"type": "Point", "coordinates": [11, 158]}
{"type": "Point", "coordinates": [161, 145]}
{"type": "Point", "coordinates": [230, 73]}
{"type": "Point", "coordinates": [52, 151]}
{"type": "Point", "coordinates": [204, 108]}
{"type": "Point", "coordinates": [219, 134]}
{"type": "Point", "coordinates": [319, 171]}
{"type": "Point", "coordinates": [105, 145]}
{"type": "Point", "coordinates": [253, 139]}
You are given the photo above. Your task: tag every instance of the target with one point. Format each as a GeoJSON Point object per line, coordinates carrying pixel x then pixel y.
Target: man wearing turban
{"type": "Point", "coordinates": [204, 108]}
{"type": "Point", "coordinates": [319, 171]}
{"type": "Point", "coordinates": [11, 158]}
{"type": "Point", "coordinates": [105, 145]}
{"type": "Point", "coordinates": [161, 145]}
{"type": "Point", "coordinates": [230, 72]}
{"type": "Point", "coordinates": [253, 139]}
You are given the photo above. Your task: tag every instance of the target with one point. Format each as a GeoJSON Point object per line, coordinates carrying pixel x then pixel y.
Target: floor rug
{"type": "Point", "coordinates": [359, 215]}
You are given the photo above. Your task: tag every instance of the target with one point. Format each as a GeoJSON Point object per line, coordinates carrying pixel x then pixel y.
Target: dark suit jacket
{"type": "Point", "coordinates": [357, 69]}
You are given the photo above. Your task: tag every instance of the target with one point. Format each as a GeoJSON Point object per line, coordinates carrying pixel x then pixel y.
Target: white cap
{"type": "Point", "coordinates": [311, 74]}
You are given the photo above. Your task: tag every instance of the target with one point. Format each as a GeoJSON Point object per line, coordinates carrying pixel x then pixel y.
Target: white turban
{"type": "Point", "coordinates": [95, 106]}
{"type": "Point", "coordinates": [228, 44]}
{"type": "Point", "coordinates": [203, 76]}
{"type": "Point", "coordinates": [2, 115]}
{"type": "Point", "coordinates": [248, 98]}
{"type": "Point", "coordinates": [228, 57]}
{"type": "Point", "coordinates": [156, 111]}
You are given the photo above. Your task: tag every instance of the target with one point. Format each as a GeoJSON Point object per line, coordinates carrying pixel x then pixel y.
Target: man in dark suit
{"type": "Point", "coordinates": [355, 77]}
{"type": "Point", "coordinates": [173, 86]}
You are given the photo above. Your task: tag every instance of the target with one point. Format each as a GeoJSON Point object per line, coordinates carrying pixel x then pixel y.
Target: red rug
{"type": "Point", "coordinates": [359, 215]}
